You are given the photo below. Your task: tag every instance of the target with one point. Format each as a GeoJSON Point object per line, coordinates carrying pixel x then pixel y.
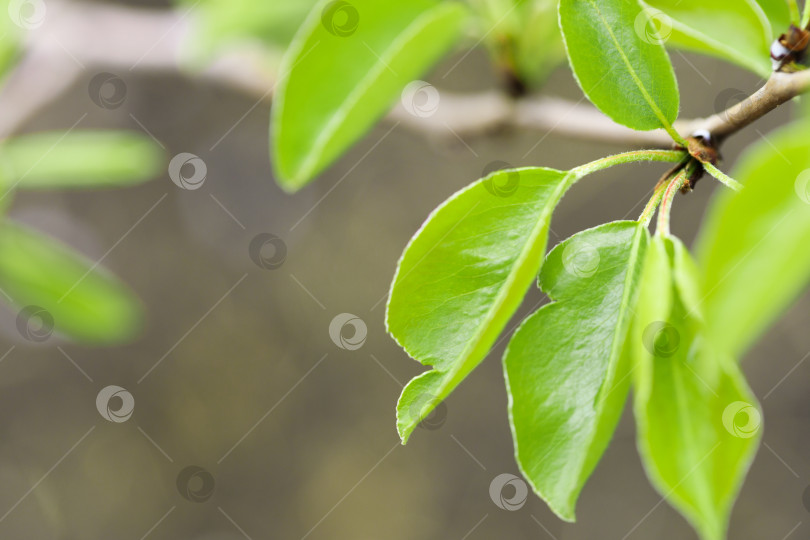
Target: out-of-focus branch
{"type": "Point", "coordinates": [77, 37]}
{"type": "Point", "coordinates": [478, 114]}
{"type": "Point", "coordinates": [470, 115]}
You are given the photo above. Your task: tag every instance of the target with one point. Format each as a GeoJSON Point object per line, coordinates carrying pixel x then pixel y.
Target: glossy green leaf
{"type": "Point", "coordinates": [698, 422]}
{"type": "Point", "coordinates": [80, 159]}
{"type": "Point", "coordinates": [346, 66]}
{"type": "Point", "coordinates": [628, 78]}
{"type": "Point", "coordinates": [751, 262]}
{"type": "Point", "coordinates": [83, 301]}
{"type": "Point", "coordinates": [736, 30]}
{"type": "Point", "coordinates": [463, 276]}
{"type": "Point", "coordinates": [566, 376]}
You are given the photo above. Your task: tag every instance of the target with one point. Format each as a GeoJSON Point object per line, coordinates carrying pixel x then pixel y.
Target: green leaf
{"type": "Point", "coordinates": [9, 40]}
{"type": "Point", "coordinates": [463, 276]}
{"type": "Point", "coordinates": [736, 30]}
{"type": "Point", "coordinates": [805, 15]}
{"type": "Point", "coordinates": [80, 159]}
{"type": "Point", "coordinates": [346, 66]}
{"type": "Point", "coordinates": [698, 422]}
{"type": "Point", "coordinates": [778, 14]}
{"type": "Point", "coordinates": [226, 22]}
{"type": "Point", "coordinates": [566, 376]}
{"type": "Point", "coordinates": [629, 79]}
{"type": "Point", "coordinates": [85, 302]}
{"type": "Point", "coordinates": [751, 265]}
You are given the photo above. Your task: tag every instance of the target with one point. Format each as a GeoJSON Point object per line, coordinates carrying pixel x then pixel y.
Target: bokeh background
{"type": "Point", "coordinates": [236, 374]}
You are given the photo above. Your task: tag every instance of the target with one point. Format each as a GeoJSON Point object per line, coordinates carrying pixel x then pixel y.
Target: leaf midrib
{"type": "Point", "coordinates": [460, 365]}
{"type": "Point", "coordinates": [657, 111]}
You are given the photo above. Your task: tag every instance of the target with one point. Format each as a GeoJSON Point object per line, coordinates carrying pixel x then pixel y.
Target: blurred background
{"type": "Point", "coordinates": [250, 420]}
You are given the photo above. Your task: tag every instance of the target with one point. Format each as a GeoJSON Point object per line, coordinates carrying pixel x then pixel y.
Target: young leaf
{"type": "Point", "coordinates": [84, 302]}
{"type": "Point", "coordinates": [624, 73]}
{"type": "Point", "coordinates": [540, 32]}
{"type": "Point", "coordinates": [523, 36]}
{"type": "Point", "coordinates": [347, 64]}
{"type": "Point", "coordinates": [736, 30]}
{"type": "Point", "coordinates": [463, 276]}
{"type": "Point", "coordinates": [79, 159]}
{"type": "Point", "coordinates": [751, 263]}
{"type": "Point", "coordinates": [566, 376]}
{"type": "Point", "coordinates": [698, 422]}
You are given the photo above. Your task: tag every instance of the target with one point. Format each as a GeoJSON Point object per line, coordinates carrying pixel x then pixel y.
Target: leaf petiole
{"type": "Point", "coordinates": [671, 189]}
{"type": "Point", "coordinates": [652, 204]}
{"type": "Point", "coordinates": [665, 156]}
{"type": "Point", "coordinates": [723, 177]}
